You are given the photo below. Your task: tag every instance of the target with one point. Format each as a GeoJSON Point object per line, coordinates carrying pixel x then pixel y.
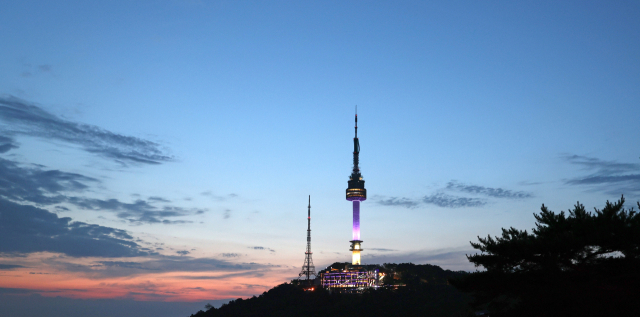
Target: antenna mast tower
{"type": "Point", "coordinates": [307, 268]}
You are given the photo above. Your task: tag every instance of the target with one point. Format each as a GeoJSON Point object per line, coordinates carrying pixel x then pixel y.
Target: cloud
{"type": "Point", "coordinates": [208, 193]}
{"type": "Point", "coordinates": [221, 276]}
{"type": "Point", "coordinates": [44, 68]}
{"type": "Point", "coordinates": [610, 177]}
{"type": "Point", "coordinates": [250, 286]}
{"type": "Point", "coordinates": [449, 201]}
{"type": "Point", "coordinates": [487, 191]}
{"type": "Point", "coordinates": [183, 252]}
{"type": "Point", "coordinates": [443, 199]}
{"type": "Point", "coordinates": [154, 264]}
{"type": "Point", "coordinates": [262, 248]}
{"type": "Point", "coordinates": [138, 212]}
{"type": "Point", "coordinates": [24, 184]}
{"type": "Point", "coordinates": [14, 291]}
{"type": "Point", "coordinates": [399, 202]}
{"type": "Point", "coordinates": [527, 183]}
{"type": "Point", "coordinates": [10, 266]}
{"type": "Point", "coordinates": [230, 255]}
{"type": "Point", "coordinates": [7, 143]}
{"type": "Point", "coordinates": [124, 264]}
{"type": "Point", "coordinates": [47, 187]}
{"type": "Point", "coordinates": [227, 213]}
{"type": "Point", "coordinates": [159, 199]}
{"type": "Point", "coordinates": [381, 249]}
{"type": "Point", "coordinates": [438, 199]}
{"type": "Point", "coordinates": [601, 166]}
{"type": "Point", "coordinates": [22, 118]}
{"type": "Point", "coordinates": [28, 229]}
{"type": "Point", "coordinates": [602, 179]}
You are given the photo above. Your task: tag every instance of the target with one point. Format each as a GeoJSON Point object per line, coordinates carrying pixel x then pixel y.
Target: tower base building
{"type": "Point", "coordinates": [351, 279]}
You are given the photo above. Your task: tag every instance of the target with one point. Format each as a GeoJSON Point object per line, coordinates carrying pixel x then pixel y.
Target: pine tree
{"type": "Point", "coordinates": [583, 263]}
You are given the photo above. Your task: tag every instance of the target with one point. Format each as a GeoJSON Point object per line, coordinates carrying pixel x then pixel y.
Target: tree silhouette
{"type": "Point", "coordinates": [583, 263]}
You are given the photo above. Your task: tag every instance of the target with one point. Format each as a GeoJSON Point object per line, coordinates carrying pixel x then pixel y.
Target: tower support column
{"type": "Point", "coordinates": [356, 220]}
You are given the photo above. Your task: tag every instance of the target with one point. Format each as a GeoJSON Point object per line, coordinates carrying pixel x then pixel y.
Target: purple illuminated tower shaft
{"type": "Point", "coordinates": [356, 193]}
{"type": "Point", "coordinates": [356, 220]}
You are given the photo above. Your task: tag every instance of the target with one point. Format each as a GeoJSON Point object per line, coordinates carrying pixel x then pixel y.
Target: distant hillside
{"type": "Point", "coordinates": [423, 290]}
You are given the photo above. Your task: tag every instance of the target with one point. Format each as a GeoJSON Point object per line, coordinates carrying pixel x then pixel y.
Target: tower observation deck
{"type": "Point", "coordinates": [356, 193]}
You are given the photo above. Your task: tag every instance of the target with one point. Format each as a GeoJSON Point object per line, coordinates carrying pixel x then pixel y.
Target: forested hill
{"type": "Point", "coordinates": [423, 290]}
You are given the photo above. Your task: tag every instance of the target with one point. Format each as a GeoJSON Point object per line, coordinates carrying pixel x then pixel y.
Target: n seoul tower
{"type": "Point", "coordinates": [356, 193]}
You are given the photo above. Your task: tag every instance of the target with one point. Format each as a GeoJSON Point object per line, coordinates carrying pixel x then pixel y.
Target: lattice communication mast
{"type": "Point", "coordinates": [356, 193]}
{"type": "Point", "coordinates": [307, 268]}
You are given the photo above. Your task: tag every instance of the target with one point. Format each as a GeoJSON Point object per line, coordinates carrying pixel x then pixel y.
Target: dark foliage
{"type": "Point", "coordinates": [413, 275]}
{"type": "Point", "coordinates": [417, 298]}
{"type": "Point", "coordinates": [580, 264]}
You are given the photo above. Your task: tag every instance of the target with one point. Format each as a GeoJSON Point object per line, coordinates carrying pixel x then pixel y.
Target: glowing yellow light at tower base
{"type": "Point", "coordinates": [355, 259]}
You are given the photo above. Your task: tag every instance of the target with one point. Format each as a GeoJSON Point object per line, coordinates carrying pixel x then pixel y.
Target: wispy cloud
{"type": "Point", "coordinates": [33, 184]}
{"type": "Point", "coordinates": [439, 199]}
{"type": "Point", "coordinates": [602, 166]}
{"type": "Point", "coordinates": [28, 229]}
{"type": "Point", "coordinates": [36, 185]}
{"type": "Point", "coordinates": [138, 212]}
{"type": "Point", "coordinates": [610, 177]}
{"type": "Point", "coordinates": [215, 197]}
{"type": "Point", "coordinates": [480, 196]}
{"type": "Point", "coordinates": [397, 201]}
{"type": "Point", "coordinates": [14, 291]}
{"type": "Point", "coordinates": [7, 143]}
{"type": "Point", "coordinates": [222, 276]}
{"type": "Point", "coordinates": [10, 266]}
{"type": "Point", "coordinates": [45, 68]}
{"type": "Point", "coordinates": [528, 183]}
{"type": "Point", "coordinates": [263, 248]}
{"type": "Point", "coordinates": [487, 191]}
{"type": "Point", "coordinates": [159, 199]}
{"type": "Point", "coordinates": [450, 201]}
{"type": "Point", "coordinates": [31, 70]}
{"type": "Point", "coordinates": [156, 264]}
{"type": "Point", "coordinates": [23, 118]}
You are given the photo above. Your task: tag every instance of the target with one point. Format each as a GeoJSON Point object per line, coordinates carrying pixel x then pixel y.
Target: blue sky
{"type": "Point", "coordinates": [200, 127]}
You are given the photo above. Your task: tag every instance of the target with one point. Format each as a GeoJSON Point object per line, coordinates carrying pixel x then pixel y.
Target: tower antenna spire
{"type": "Point", "coordinates": [308, 269]}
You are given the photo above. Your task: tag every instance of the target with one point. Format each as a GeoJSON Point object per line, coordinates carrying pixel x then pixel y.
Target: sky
{"type": "Point", "coordinates": [160, 154]}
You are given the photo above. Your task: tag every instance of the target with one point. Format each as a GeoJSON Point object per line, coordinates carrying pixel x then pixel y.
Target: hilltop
{"type": "Point", "coordinates": [416, 290]}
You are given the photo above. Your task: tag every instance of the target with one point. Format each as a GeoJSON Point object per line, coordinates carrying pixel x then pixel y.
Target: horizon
{"type": "Point", "coordinates": [165, 151]}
